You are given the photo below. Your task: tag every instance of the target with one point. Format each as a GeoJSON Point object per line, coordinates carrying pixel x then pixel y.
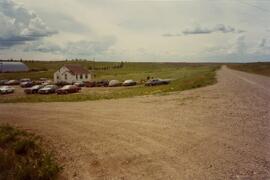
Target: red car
{"type": "Point", "coordinates": [68, 89]}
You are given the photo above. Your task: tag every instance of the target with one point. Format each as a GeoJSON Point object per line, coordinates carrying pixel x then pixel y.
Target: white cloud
{"type": "Point", "coordinates": [232, 30]}
{"type": "Point", "coordinates": [82, 49]}
{"type": "Point", "coordinates": [18, 25]}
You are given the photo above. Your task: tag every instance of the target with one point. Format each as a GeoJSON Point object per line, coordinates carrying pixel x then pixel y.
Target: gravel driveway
{"type": "Point", "coordinates": [216, 132]}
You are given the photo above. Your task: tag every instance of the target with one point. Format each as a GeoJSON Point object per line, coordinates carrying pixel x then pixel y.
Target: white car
{"type": "Point", "coordinates": [6, 89]}
{"type": "Point", "coordinates": [129, 83]}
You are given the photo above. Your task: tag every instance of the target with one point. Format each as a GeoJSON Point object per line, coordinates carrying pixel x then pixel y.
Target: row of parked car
{"type": "Point", "coordinates": [115, 83]}
{"type": "Point", "coordinates": [25, 82]}
{"type": "Point", "coordinates": [50, 89]}
{"type": "Point", "coordinates": [105, 83]}
{"type": "Point", "coordinates": [42, 89]}
{"type": "Point", "coordinates": [45, 86]}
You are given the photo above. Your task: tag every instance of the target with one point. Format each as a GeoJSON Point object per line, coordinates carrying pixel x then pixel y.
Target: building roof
{"type": "Point", "coordinates": [76, 69]}
{"type": "Point", "coordinates": [13, 67]}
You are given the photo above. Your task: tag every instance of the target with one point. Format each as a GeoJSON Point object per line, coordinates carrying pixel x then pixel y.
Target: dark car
{"type": "Point", "coordinates": [26, 84]}
{"type": "Point", "coordinates": [48, 89]}
{"type": "Point", "coordinates": [90, 83]}
{"type": "Point", "coordinates": [68, 89]}
{"type": "Point", "coordinates": [155, 82]}
{"type": "Point", "coordinates": [62, 83]}
{"type": "Point", "coordinates": [102, 83]}
{"type": "Point", "coordinates": [33, 89]}
{"type": "Point", "coordinates": [12, 82]}
{"type": "Point", "coordinates": [3, 81]}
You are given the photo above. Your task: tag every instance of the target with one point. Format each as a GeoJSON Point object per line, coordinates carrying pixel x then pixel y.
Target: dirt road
{"type": "Point", "coordinates": [216, 132]}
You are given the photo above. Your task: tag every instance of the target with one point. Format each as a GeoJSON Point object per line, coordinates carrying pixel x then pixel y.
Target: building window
{"type": "Point", "coordinates": [76, 76]}
{"type": "Point", "coordinates": [86, 76]}
{"type": "Point", "coordinates": [57, 77]}
{"type": "Point", "coordinates": [65, 76]}
{"type": "Point", "coordinates": [81, 76]}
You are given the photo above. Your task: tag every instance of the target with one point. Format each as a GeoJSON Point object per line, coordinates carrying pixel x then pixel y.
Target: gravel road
{"type": "Point", "coordinates": [216, 132]}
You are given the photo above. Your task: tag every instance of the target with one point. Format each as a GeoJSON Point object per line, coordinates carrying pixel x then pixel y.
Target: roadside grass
{"type": "Point", "coordinates": [184, 77]}
{"type": "Point", "coordinates": [262, 68]}
{"type": "Point", "coordinates": [22, 156]}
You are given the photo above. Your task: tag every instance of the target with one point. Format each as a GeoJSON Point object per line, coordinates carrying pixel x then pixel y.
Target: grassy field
{"type": "Point", "coordinates": [257, 68]}
{"type": "Point", "coordinates": [22, 157]}
{"type": "Point", "coordinates": [186, 76]}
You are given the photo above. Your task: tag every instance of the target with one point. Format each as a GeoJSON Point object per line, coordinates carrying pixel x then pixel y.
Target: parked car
{"type": "Point", "coordinates": [3, 81]}
{"type": "Point", "coordinates": [102, 83]}
{"type": "Point", "coordinates": [48, 89]}
{"type": "Point", "coordinates": [79, 84]}
{"type": "Point", "coordinates": [12, 82]}
{"type": "Point", "coordinates": [6, 89]}
{"type": "Point", "coordinates": [68, 89]}
{"type": "Point", "coordinates": [47, 82]}
{"type": "Point", "coordinates": [90, 83]}
{"type": "Point", "coordinates": [26, 84]}
{"type": "Point", "coordinates": [37, 82]}
{"type": "Point", "coordinates": [129, 83]}
{"type": "Point", "coordinates": [155, 82]}
{"type": "Point", "coordinates": [33, 89]}
{"type": "Point", "coordinates": [62, 83]}
{"type": "Point", "coordinates": [114, 83]}
{"type": "Point", "coordinates": [25, 80]}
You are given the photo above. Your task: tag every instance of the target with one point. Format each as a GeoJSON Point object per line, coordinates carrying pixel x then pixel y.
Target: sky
{"type": "Point", "coordinates": [129, 30]}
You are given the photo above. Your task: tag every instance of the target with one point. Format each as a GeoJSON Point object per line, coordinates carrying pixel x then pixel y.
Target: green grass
{"type": "Point", "coordinates": [22, 156]}
{"type": "Point", "coordinates": [49, 67]}
{"type": "Point", "coordinates": [257, 68]}
{"type": "Point", "coordinates": [186, 76]}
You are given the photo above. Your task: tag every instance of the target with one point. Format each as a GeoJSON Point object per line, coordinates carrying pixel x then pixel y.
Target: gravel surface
{"type": "Point", "coordinates": [216, 132]}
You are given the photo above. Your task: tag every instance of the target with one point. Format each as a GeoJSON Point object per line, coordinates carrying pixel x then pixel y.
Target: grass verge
{"type": "Point", "coordinates": [257, 68]}
{"type": "Point", "coordinates": [23, 158]}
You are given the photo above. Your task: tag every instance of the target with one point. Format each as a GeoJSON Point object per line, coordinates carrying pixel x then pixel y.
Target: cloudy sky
{"type": "Point", "coordinates": [149, 30]}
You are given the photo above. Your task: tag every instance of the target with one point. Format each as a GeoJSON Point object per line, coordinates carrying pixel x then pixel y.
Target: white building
{"type": "Point", "coordinates": [71, 74]}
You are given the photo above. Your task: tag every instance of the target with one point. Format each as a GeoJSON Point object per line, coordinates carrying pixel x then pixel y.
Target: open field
{"type": "Point", "coordinates": [262, 68]}
{"type": "Point", "coordinates": [185, 76]}
{"type": "Point", "coordinates": [102, 70]}
{"type": "Point", "coordinates": [215, 132]}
